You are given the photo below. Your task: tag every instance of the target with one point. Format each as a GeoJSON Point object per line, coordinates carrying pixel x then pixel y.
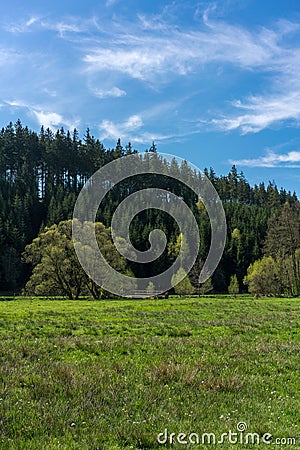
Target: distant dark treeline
{"type": "Point", "coordinates": [42, 174]}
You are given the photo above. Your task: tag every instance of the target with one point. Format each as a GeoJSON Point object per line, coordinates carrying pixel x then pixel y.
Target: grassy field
{"type": "Point", "coordinates": [114, 374]}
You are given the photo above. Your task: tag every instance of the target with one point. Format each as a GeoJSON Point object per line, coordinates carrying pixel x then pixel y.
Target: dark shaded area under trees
{"type": "Point", "coordinates": [42, 174]}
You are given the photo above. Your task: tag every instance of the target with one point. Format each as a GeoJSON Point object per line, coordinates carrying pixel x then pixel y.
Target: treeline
{"type": "Point", "coordinates": [42, 174]}
{"type": "Point", "coordinates": [278, 271]}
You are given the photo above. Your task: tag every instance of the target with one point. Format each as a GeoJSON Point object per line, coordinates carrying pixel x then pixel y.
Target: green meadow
{"type": "Point", "coordinates": [116, 374]}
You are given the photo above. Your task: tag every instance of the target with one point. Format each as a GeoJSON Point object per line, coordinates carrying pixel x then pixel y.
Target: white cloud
{"type": "Point", "coordinates": [281, 101]}
{"type": "Point", "coordinates": [48, 119]}
{"type": "Point", "coordinates": [133, 122]}
{"type": "Point", "coordinates": [123, 130]}
{"type": "Point", "coordinates": [9, 57]}
{"type": "Point", "coordinates": [132, 130]}
{"type": "Point", "coordinates": [49, 92]}
{"type": "Point", "coordinates": [136, 63]}
{"type": "Point", "coordinates": [23, 26]}
{"type": "Point", "coordinates": [16, 104]}
{"type": "Point", "coordinates": [148, 137]}
{"type": "Point", "coordinates": [145, 55]}
{"type": "Point", "coordinates": [31, 21]}
{"type": "Point", "coordinates": [272, 159]}
{"type": "Point", "coordinates": [156, 52]}
{"type": "Point", "coordinates": [262, 112]}
{"type": "Point", "coordinates": [64, 27]}
{"type": "Point", "coordinates": [112, 92]}
{"type": "Point", "coordinates": [53, 120]}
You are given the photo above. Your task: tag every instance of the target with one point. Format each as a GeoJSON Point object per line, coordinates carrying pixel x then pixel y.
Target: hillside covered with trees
{"type": "Point", "coordinates": [42, 174]}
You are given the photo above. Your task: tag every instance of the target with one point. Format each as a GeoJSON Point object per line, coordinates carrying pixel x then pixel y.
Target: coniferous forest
{"type": "Point", "coordinates": [42, 174]}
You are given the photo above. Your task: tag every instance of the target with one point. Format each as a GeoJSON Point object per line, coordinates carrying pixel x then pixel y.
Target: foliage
{"type": "Point", "coordinates": [283, 244]}
{"type": "Point", "coordinates": [206, 287]}
{"type": "Point", "coordinates": [57, 270]}
{"type": "Point", "coordinates": [181, 283]}
{"type": "Point", "coordinates": [42, 174]}
{"type": "Point", "coordinates": [233, 287]}
{"type": "Point", "coordinates": [263, 277]}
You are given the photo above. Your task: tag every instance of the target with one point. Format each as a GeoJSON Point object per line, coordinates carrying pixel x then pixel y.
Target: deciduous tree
{"type": "Point", "coordinates": [56, 269]}
{"type": "Point", "coordinates": [263, 277]}
{"type": "Point", "coordinates": [181, 283]}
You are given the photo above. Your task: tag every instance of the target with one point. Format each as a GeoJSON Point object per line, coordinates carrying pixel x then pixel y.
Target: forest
{"type": "Point", "coordinates": [41, 175]}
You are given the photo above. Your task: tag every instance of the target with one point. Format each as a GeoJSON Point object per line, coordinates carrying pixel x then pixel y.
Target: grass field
{"type": "Point", "coordinates": [114, 374]}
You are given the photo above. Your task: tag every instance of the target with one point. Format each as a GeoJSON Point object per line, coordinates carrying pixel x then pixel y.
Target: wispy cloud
{"type": "Point", "coordinates": [145, 55]}
{"type": "Point", "coordinates": [261, 112]}
{"type": "Point", "coordinates": [63, 27]}
{"type": "Point", "coordinates": [161, 52]}
{"type": "Point", "coordinates": [53, 120]}
{"type": "Point", "coordinates": [157, 51]}
{"type": "Point", "coordinates": [9, 56]}
{"type": "Point", "coordinates": [23, 26]}
{"type": "Point", "coordinates": [280, 102]}
{"type": "Point", "coordinates": [135, 130]}
{"type": "Point", "coordinates": [44, 116]}
{"type": "Point", "coordinates": [123, 130]}
{"type": "Point", "coordinates": [49, 92]}
{"type": "Point", "coordinates": [48, 119]}
{"type": "Point", "coordinates": [16, 104]}
{"type": "Point", "coordinates": [272, 159]}
{"type": "Point", "coordinates": [106, 93]}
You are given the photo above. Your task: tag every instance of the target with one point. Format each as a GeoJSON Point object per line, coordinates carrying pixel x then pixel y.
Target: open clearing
{"type": "Point", "coordinates": [113, 374]}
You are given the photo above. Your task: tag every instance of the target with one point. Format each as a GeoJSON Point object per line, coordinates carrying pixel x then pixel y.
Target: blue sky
{"type": "Point", "coordinates": [216, 83]}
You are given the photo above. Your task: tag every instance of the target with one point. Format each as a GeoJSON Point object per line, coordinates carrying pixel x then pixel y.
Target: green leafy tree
{"type": "Point", "coordinates": [206, 287]}
{"type": "Point", "coordinates": [263, 277]}
{"type": "Point", "coordinates": [233, 287]}
{"type": "Point", "coordinates": [42, 174]}
{"type": "Point", "coordinates": [181, 283]}
{"type": "Point", "coordinates": [56, 269]}
{"type": "Point", "coordinates": [110, 254]}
